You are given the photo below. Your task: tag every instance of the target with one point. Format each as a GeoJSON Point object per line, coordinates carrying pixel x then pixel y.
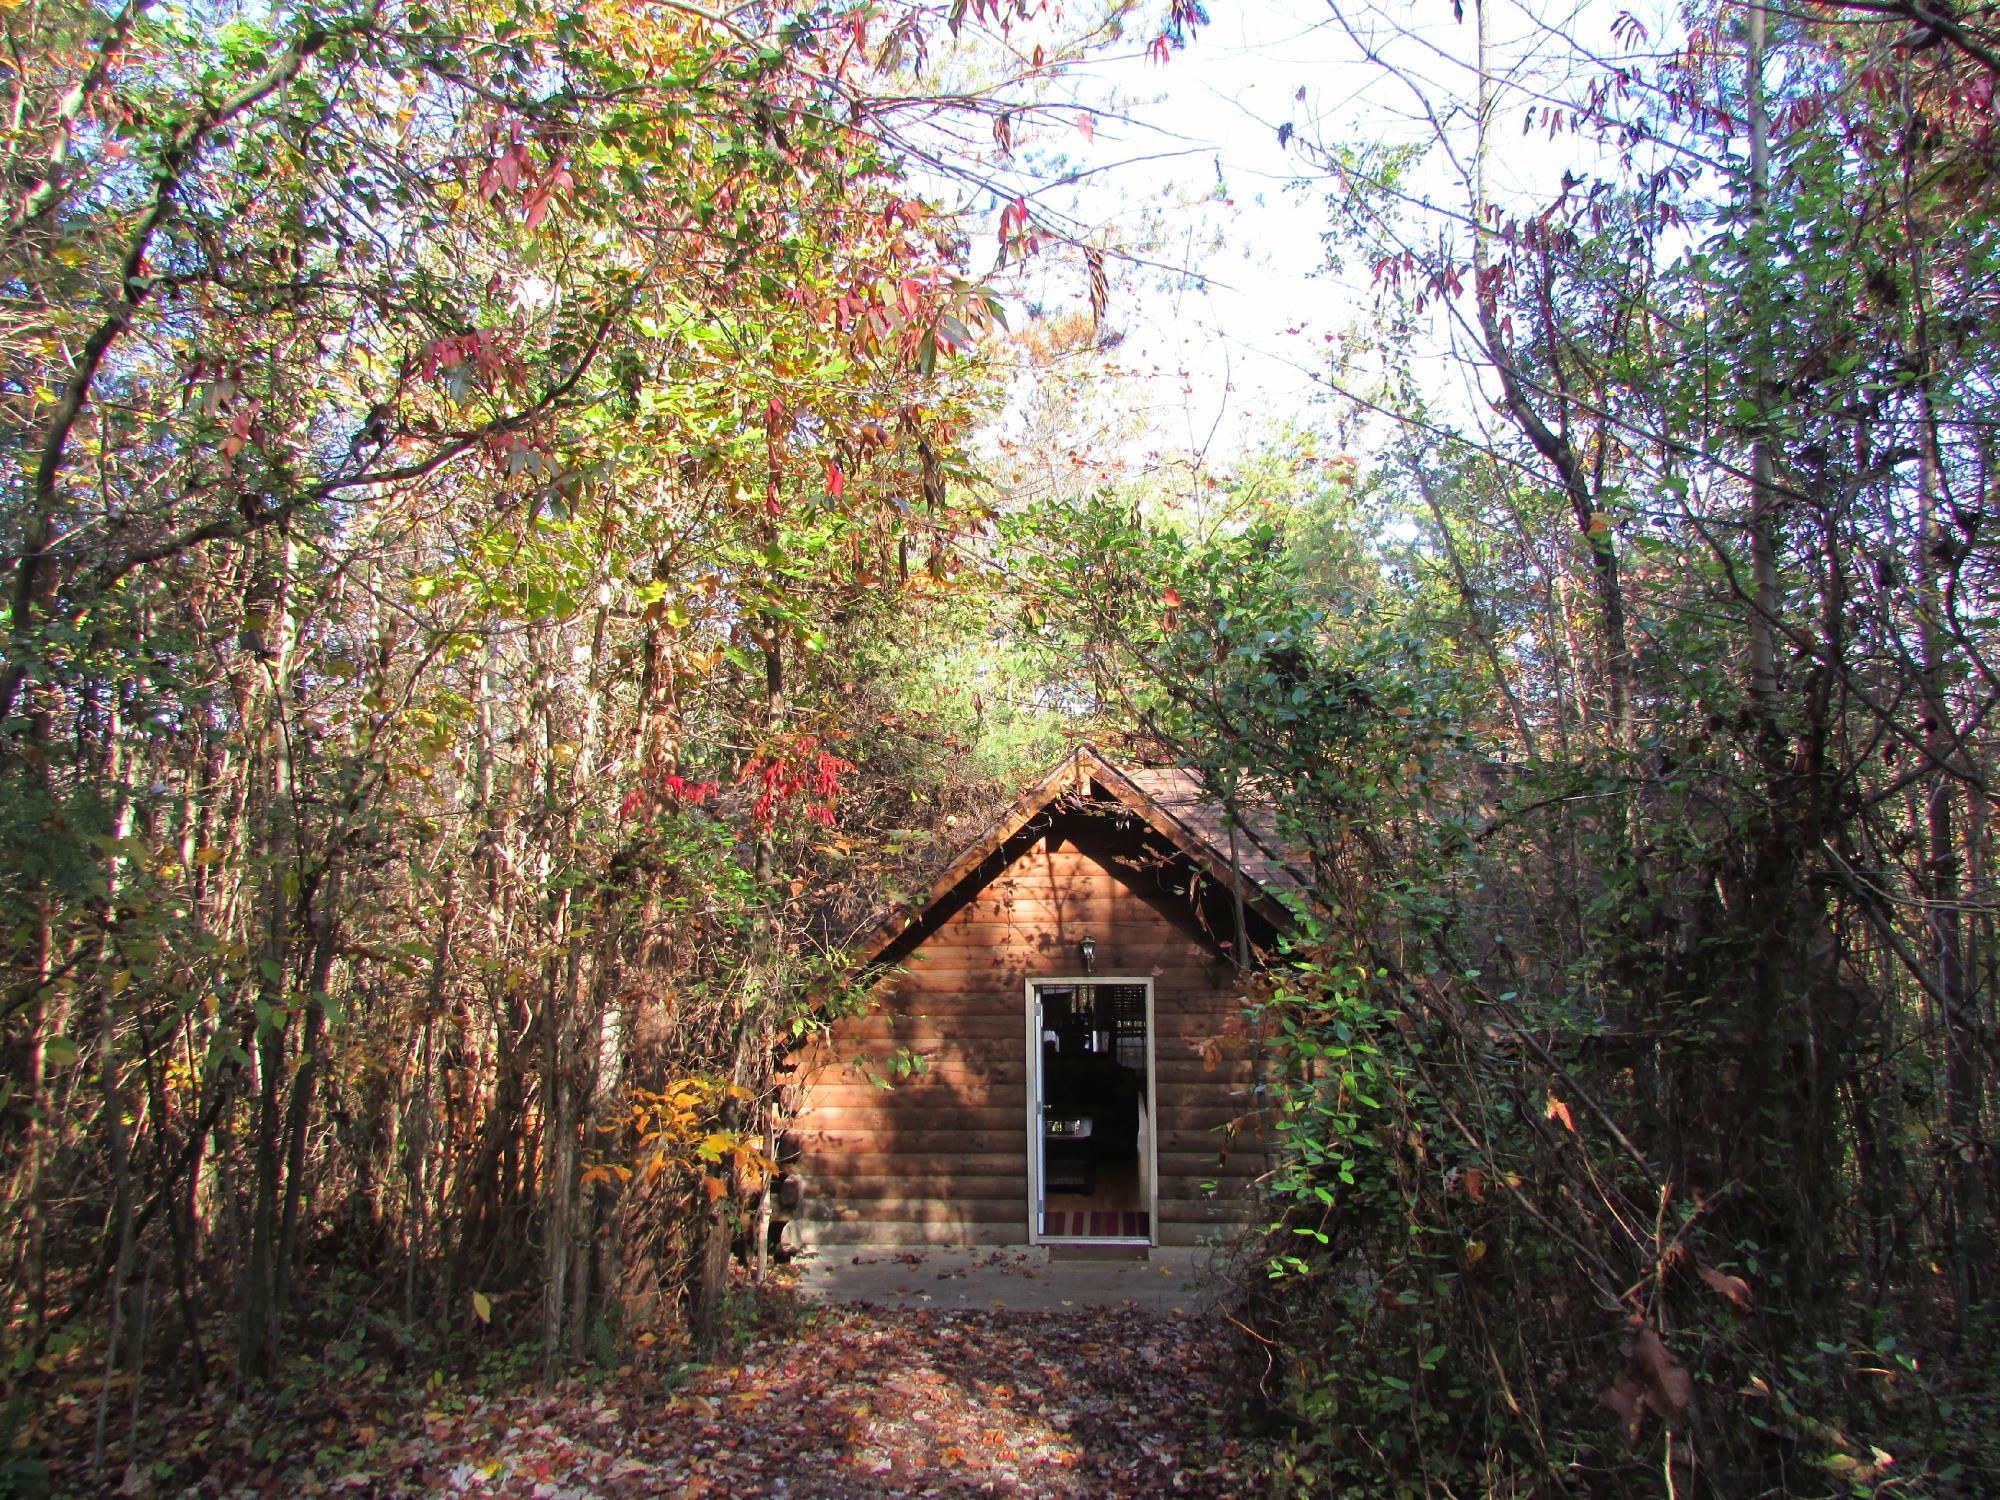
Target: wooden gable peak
{"type": "Point", "coordinates": [1173, 804]}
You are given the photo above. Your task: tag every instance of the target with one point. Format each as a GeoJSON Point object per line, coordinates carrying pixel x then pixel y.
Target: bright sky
{"type": "Point", "coordinates": [1243, 340]}
{"type": "Point", "coordinates": [1196, 163]}
{"type": "Point", "coordinates": [1196, 157]}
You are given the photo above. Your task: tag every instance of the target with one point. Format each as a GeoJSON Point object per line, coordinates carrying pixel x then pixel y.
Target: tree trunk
{"type": "Point", "coordinates": [712, 1273]}
{"type": "Point", "coordinates": [261, 1317]}
{"type": "Point", "coordinates": [1550, 441]}
{"type": "Point", "coordinates": [1763, 489]}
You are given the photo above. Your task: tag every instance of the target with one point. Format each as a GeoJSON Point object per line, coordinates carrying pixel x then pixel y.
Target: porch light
{"type": "Point", "coordinates": [1088, 948]}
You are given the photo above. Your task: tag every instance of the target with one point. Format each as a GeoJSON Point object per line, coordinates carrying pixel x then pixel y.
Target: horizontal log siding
{"type": "Point", "coordinates": [941, 1157]}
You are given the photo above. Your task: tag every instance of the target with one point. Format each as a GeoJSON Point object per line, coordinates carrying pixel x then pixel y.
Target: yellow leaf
{"type": "Point", "coordinates": [482, 1307]}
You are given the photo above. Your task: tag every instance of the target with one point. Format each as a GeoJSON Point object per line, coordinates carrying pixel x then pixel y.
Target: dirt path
{"type": "Point", "coordinates": [859, 1401]}
{"type": "Point", "coordinates": [1106, 1403]}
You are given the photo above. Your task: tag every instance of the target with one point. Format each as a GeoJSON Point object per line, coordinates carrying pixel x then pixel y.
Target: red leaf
{"type": "Point", "coordinates": [513, 165]}
{"type": "Point", "coordinates": [1086, 127]}
{"type": "Point", "coordinates": [836, 481]}
{"type": "Point", "coordinates": [1171, 597]}
{"type": "Point", "coordinates": [1558, 1110]}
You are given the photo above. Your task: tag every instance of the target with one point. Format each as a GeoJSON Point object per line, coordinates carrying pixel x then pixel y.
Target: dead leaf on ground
{"type": "Point", "coordinates": [1654, 1381]}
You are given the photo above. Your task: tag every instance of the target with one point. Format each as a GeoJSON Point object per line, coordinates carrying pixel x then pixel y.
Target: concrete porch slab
{"type": "Point", "coordinates": [1169, 1281]}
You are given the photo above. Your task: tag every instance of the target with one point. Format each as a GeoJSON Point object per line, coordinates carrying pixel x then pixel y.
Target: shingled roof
{"type": "Point", "coordinates": [1183, 796]}
{"type": "Point", "coordinates": [1174, 802]}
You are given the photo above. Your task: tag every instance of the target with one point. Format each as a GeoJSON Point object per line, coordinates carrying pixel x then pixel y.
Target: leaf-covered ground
{"type": "Point", "coordinates": [853, 1402]}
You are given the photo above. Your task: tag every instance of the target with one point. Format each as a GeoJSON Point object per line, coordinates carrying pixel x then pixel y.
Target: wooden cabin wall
{"type": "Point", "coordinates": [942, 1158]}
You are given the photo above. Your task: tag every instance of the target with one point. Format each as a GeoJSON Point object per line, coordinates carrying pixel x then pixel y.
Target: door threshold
{"type": "Point", "coordinates": [1098, 1249]}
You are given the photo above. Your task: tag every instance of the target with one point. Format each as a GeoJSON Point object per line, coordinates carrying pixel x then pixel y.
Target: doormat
{"type": "Point", "coordinates": [1097, 1223]}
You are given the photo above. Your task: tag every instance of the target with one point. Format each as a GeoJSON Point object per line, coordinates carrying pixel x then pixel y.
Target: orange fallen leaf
{"type": "Point", "coordinates": [1732, 1289]}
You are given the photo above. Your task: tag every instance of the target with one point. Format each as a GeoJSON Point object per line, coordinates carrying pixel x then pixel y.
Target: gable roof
{"type": "Point", "coordinates": [1175, 803]}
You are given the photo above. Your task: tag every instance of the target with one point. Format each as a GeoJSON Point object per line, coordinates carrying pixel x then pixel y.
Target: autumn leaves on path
{"type": "Point", "coordinates": [1106, 1402]}
{"type": "Point", "coordinates": [857, 1402]}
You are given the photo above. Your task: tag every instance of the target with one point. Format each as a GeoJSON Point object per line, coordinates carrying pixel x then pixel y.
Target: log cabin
{"type": "Point", "coordinates": [1056, 1049]}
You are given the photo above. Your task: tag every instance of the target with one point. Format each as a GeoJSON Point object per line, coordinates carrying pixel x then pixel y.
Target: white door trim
{"type": "Point", "coordinates": [1036, 1138]}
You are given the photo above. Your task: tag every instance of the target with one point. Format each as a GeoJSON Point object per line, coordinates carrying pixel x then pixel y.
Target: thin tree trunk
{"type": "Point", "coordinates": [43, 1024]}
{"type": "Point", "coordinates": [1969, 1234]}
{"type": "Point", "coordinates": [110, 982]}
{"type": "Point", "coordinates": [712, 1273]}
{"type": "Point", "coordinates": [1551, 442]}
{"type": "Point", "coordinates": [1763, 491]}
{"type": "Point", "coordinates": [298, 1113]}
{"type": "Point", "coordinates": [569, 1084]}
{"type": "Point", "coordinates": [260, 1320]}
{"type": "Point", "coordinates": [559, 1149]}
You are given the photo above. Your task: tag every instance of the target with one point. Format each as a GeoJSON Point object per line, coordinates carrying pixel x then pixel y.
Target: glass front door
{"type": "Point", "coordinates": [1093, 1114]}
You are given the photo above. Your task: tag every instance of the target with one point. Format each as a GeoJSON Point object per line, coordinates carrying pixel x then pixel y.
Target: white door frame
{"type": "Point", "coordinates": [1036, 1138]}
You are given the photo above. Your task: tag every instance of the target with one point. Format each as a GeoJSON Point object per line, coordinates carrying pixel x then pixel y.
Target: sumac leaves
{"type": "Point", "coordinates": [798, 771]}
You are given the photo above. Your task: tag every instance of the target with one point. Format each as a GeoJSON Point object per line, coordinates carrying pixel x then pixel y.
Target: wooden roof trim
{"type": "Point", "coordinates": [1212, 862]}
{"type": "Point", "coordinates": [1073, 773]}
